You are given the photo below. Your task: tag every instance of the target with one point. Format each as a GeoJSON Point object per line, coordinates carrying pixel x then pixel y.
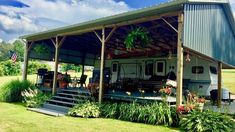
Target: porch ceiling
{"type": "Point", "coordinates": [87, 46]}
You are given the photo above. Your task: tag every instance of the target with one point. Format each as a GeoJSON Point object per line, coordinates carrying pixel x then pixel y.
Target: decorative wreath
{"type": "Point", "coordinates": [138, 37]}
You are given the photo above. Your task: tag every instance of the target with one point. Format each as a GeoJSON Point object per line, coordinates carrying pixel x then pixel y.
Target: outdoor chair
{"type": "Point", "coordinates": [82, 80]}
{"type": "Point", "coordinates": [214, 96]}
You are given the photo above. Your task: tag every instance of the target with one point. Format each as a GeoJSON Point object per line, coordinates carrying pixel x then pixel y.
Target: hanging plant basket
{"type": "Point", "coordinates": [138, 37]}
{"type": "Point", "coordinates": [41, 49]}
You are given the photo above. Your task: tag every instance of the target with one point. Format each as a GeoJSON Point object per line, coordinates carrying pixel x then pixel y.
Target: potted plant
{"type": "Point", "coordinates": [64, 80]}
{"type": "Point", "coordinates": [138, 37]}
{"type": "Point", "coordinates": [40, 49]}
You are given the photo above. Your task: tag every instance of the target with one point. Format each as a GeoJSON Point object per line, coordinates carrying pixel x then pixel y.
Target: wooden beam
{"type": "Point", "coordinates": [170, 25]}
{"type": "Point", "coordinates": [180, 54]}
{"type": "Point", "coordinates": [101, 90]}
{"type": "Point", "coordinates": [153, 47]}
{"type": "Point", "coordinates": [53, 41]}
{"type": "Point", "coordinates": [26, 59]}
{"type": "Point", "coordinates": [110, 34]}
{"type": "Point", "coordinates": [98, 36]}
{"type": "Point", "coordinates": [30, 46]}
{"type": "Point", "coordinates": [219, 84]}
{"type": "Point", "coordinates": [62, 41]}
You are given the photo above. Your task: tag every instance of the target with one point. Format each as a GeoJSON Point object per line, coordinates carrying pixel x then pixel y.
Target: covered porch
{"type": "Point", "coordinates": [100, 42]}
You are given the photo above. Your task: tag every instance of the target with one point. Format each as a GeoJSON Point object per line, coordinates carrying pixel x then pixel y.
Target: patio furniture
{"type": "Point", "coordinates": [214, 96]}
{"type": "Point", "coordinates": [82, 80]}
{"type": "Point", "coordinates": [40, 75]}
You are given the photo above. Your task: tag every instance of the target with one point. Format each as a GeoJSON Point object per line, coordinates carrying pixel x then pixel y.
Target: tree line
{"type": "Point", "coordinates": [8, 68]}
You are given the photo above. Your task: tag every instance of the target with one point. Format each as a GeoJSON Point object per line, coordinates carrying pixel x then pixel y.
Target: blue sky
{"type": "Point", "coordinates": [19, 17]}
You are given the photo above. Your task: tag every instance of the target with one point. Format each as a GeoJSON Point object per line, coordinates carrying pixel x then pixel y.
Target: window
{"type": "Point", "coordinates": [197, 69]}
{"type": "Point", "coordinates": [159, 67]}
{"type": "Point", "coordinates": [114, 67]}
{"type": "Point", "coordinates": [149, 68]}
{"type": "Point", "coordinates": [213, 70]}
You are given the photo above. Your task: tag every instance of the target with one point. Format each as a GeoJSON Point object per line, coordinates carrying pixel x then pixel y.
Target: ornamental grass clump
{"type": "Point", "coordinates": [34, 98]}
{"type": "Point", "coordinates": [85, 110]}
{"type": "Point", "coordinates": [11, 91]}
{"type": "Point", "coordinates": [109, 110]}
{"type": "Point", "coordinates": [154, 113]}
{"type": "Point", "coordinates": [197, 121]}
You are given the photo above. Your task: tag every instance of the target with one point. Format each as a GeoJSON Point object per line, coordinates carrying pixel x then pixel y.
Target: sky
{"type": "Point", "coordinates": [20, 17]}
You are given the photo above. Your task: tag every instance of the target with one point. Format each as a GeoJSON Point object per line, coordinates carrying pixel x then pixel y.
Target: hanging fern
{"type": "Point", "coordinates": [138, 36]}
{"type": "Point", "coordinates": [41, 49]}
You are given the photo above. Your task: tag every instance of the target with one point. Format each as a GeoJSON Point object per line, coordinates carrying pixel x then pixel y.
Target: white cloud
{"type": "Point", "coordinates": [44, 14]}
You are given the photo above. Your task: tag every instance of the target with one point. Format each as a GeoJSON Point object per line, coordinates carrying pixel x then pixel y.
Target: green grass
{"type": "Point", "coordinates": [15, 117]}
{"type": "Point", "coordinates": [228, 77]}
{"type": "Point", "coordinates": [5, 79]}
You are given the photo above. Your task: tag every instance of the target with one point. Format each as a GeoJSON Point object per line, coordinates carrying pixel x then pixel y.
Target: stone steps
{"type": "Point", "coordinates": [65, 99]}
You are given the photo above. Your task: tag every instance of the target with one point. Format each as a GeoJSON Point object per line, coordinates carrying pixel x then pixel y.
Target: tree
{"type": "Point", "coordinates": [18, 47]}
{"type": "Point", "coordinates": [65, 67]}
{"type": "Point", "coordinates": [4, 51]}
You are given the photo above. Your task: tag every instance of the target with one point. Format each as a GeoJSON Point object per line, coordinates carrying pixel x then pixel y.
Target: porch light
{"type": "Point", "coordinates": [169, 55]}
{"type": "Point", "coordinates": [188, 57]}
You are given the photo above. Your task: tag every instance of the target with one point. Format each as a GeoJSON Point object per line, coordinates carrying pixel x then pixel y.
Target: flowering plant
{"type": "Point", "coordinates": [201, 100]}
{"type": "Point", "coordinates": [184, 109]}
{"type": "Point", "coordinates": [165, 91]}
{"type": "Point", "coordinates": [64, 77]}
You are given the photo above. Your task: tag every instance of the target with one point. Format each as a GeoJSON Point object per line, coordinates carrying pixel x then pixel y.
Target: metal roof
{"type": "Point", "coordinates": [171, 6]}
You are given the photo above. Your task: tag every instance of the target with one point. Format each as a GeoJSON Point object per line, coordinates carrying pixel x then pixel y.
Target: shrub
{"type": "Point", "coordinates": [207, 121]}
{"type": "Point", "coordinates": [34, 98]}
{"type": "Point", "coordinates": [10, 68]}
{"type": "Point", "coordinates": [35, 65]}
{"type": "Point", "coordinates": [1, 71]}
{"type": "Point", "coordinates": [86, 110]}
{"type": "Point", "coordinates": [11, 91]}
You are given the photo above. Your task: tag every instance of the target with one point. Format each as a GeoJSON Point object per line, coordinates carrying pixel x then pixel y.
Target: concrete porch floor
{"type": "Point", "coordinates": [225, 107]}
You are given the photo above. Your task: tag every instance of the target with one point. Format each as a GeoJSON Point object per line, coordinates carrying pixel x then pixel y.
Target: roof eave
{"type": "Point", "coordinates": [102, 22]}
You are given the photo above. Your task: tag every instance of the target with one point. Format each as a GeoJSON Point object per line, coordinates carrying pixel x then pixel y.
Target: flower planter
{"type": "Point", "coordinates": [200, 106]}
{"type": "Point", "coordinates": [63, 84]}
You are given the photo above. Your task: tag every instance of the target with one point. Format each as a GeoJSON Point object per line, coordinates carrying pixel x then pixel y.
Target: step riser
{"type": "Point", "coordinates": [47, 112]}
{"type": "Point", "coordinates": [76, 92]}
{"type": "Point", "coordinates": [74, 96]}
{"type": "Point", "coordinates": [55, 107]}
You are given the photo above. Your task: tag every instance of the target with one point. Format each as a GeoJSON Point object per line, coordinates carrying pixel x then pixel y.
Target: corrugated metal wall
{"type": "Point", "coordinates": [208, 31]}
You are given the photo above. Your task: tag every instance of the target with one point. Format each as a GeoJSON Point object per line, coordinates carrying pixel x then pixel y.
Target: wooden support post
{"type": "Point", "coordinates": [57, 45]}
{"type": "Point", "coordinates": [55, 67]}
{"type": "Point", "coordinates": [179, 89]}
{"type": "Point", "coordinates": [26, 59]}
{"type": "Point", "coordinates": [83, 63]}
{"type": "Point", "coordinates": [103, 39]}
{"type": "Point", "coordinates": [102, 67]}
{"type": "Point", "coordinates": [219, 84]}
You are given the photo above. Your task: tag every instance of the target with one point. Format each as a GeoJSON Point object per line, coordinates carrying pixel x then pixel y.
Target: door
{"type": "Point", "coordinates": [114, 72]}
{"type": "Point", "coordinates": [160, 68]}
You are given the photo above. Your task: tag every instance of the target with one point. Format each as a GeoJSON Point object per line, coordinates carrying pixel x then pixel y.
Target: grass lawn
{"type": "Point", "coordinates": [5, 79]}
{"type": "Point", "coordinates": [228, 78]}
{"type": "Point", "coordinates": [15, 117]}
